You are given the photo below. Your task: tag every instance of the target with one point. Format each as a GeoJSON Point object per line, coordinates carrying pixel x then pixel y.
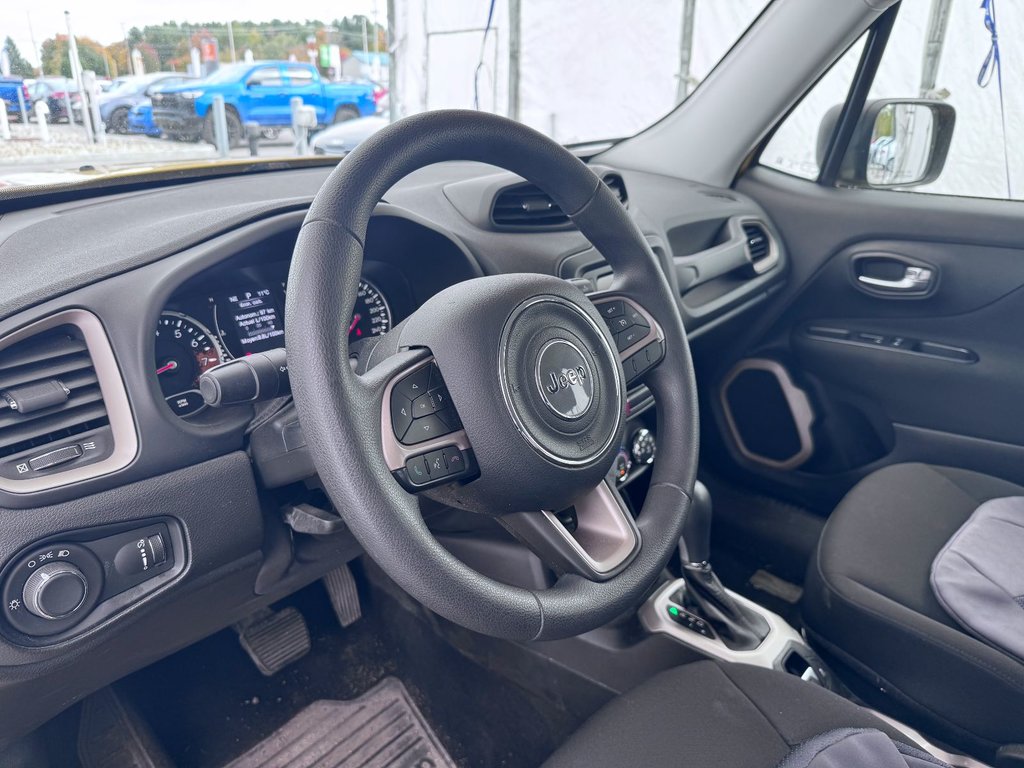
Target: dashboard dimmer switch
{"type": "Point", "coordinates": [140, 555]}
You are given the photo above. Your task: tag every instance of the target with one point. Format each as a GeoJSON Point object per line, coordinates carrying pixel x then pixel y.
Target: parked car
{"type": "Point", "coordinates": [140, 120]}
{"type": "Point", "coordinates": [116, 104]}
{"type": "Point", "coordinates": [343, 138]}
{"type": "Point", "coordinates": [260, 92]}
{"type": "Point", "coordinates": [9, 87]}
{"type": "Point", "coordinates": [57, 91]}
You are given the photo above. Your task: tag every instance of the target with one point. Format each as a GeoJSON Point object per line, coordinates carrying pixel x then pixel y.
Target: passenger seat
{"type": "Point", "coordinates": [870, 608]}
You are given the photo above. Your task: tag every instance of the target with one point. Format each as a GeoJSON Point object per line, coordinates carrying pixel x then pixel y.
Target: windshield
{"type": "Point", "coordinates": [316, 78]}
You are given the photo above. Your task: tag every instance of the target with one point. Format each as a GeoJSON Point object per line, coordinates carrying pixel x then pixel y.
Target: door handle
{"type": "Point", "coordinates": [915, 279]}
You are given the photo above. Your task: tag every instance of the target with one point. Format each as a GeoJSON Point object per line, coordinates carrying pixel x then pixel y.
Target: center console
{"type": "Point", "coordinates": [699, 612]}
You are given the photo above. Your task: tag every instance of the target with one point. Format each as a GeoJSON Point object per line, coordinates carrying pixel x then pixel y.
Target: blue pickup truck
{"type": "Point", "coordinates": [259, 92]}
{"type": "Point", "coordinates": [9, 87]}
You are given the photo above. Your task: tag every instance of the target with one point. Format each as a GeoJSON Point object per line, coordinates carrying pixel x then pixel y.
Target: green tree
{"type": "Point", "coordinates": [19, 66]}
{"type": "Point", "coordinates": [56, 60]}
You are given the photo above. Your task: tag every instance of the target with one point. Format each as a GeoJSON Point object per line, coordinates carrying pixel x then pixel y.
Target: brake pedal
{"type": "Point", "coordinates": [274, 639]}
{"type": "Point", "coordinates": [341, 588]}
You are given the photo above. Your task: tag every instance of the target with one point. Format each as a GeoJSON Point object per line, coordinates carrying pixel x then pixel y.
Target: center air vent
{"type": "Point", "coordinates": [525, 205]}
{"type": "Point", "coordinates": [64, 413]}
{"type": "Point", "coordinates": [760, 246]}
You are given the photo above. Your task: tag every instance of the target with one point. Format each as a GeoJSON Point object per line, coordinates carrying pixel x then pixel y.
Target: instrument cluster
{"type": "Point", "coordinates": [241, 312]}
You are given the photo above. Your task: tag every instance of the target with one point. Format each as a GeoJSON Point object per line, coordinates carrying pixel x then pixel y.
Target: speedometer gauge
{"type": "Point", "coordinates": [185, 350]}
{"type": "Point", "coordinates": [371, 316]}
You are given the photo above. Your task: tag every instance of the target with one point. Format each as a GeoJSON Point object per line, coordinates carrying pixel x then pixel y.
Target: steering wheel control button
{"type": "Point", "coordinates": [565, 379]}
{"type": "Point", "coordinates": [416, 469]}
{"type": "Point", "coordinates": [619, 323]}
{"type": "Point", "coordinates": [455, 460]}
{"type": "Point", "coordinates": [425, 428]}
{"type": "Point", "coordinates": [429, 470]}
{"type": "Point", "coordinates": [415, 384]}
{"type": "Point", "coordinates": [401, 414]}
{"type": "Point", "coordinates": [451, 418]}
{"type": "Point", "coordinates": [55, 590]}
{"type": "Point", "coordinates": [642, 361]}
{"type": "Point", "coordinates": [631, 336]}
{"type": "Point", "coordinates": [437, 467]}
{"type": "Point", "coordinates": [424, 405]}
{"type": "Point", "coordinates": [635, 318]}
{"type": "Point", "coordinates": [611, 309]}
{"type": "Point", "coordinates": [421, 408]}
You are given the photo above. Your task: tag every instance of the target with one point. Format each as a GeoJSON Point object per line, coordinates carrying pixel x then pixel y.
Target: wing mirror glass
{"type": "Point", "coordinates": [896, 143]}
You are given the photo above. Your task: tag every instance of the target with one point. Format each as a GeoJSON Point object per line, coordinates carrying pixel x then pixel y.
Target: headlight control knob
{"type": "Point", "coordinates": [55, 590]}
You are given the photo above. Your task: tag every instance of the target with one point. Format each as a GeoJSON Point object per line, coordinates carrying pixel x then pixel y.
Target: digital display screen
{"type": "Point", "coordinates": [257, 322]}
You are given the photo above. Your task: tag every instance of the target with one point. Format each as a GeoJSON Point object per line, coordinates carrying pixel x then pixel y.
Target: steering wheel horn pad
{"type": "Point", "coordinates": [490, 337]}
{"type": "Point", "coordinates": [547, 326]}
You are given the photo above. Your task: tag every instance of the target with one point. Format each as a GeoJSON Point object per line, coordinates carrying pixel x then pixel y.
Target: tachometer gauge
{"type": "Point", "coordinates": [185, 350]}
{"type": "Point", "coordinates": [371, 316]}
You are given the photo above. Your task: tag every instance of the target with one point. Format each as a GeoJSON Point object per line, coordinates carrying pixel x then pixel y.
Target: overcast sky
{"type": "Point", "coordinates": [102, 20]}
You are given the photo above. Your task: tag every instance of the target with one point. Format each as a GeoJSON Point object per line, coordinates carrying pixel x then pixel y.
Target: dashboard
{"type": "Point", "coordinates": [149, 288]}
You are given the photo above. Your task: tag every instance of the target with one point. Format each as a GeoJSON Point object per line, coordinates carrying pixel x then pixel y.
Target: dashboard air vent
{"type": "Point", "coordinates": [525, 205]}
{"type": "Point", "coordinates": [759, 244]}
{"type": "Point", "coordinates": [49, 391]}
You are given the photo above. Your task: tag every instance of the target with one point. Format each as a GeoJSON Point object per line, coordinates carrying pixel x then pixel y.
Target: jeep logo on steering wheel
{"type": "Point", "coordinates": [564, 379]}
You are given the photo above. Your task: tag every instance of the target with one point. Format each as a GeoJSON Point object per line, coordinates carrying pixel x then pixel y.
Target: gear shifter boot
{"type": "Point", "coordinates": [739, 628]}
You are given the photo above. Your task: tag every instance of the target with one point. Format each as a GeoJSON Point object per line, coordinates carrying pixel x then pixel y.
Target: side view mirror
{"type": "Point", "coordinates": [896, 143]}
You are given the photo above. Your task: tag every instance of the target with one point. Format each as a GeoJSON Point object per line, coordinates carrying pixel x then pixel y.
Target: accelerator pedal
{"type": "Point", "coordinates": [381, 729]}
{"type": "Point", "coordinates": [274, 639]}
{"type": "Point", "coordinates": [341, 588]}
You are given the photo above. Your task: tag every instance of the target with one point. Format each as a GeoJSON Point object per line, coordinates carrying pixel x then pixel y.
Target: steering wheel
{"type": "Point", "coordinates": [504, 395]}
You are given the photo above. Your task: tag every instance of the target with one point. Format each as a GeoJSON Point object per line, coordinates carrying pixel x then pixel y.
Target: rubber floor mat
{"type": "Point", "coordinates": [382, 728]}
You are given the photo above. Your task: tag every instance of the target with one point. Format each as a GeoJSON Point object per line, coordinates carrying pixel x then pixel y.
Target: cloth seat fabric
{"type": "Point", "coordinates": [870, 609]}
{"type": "Point", "coordinates": [711, 715]}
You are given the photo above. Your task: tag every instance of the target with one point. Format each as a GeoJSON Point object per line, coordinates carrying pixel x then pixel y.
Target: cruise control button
{"type": "Point", "coordinates": [416, 468]}
{"type": "Point", "coordinates": [436, 465]}
{"type": "Point", "coordinates": [401, 414]}
{"type": "Point", "coordinates": [415, 384]}
{"type": "Point", "coordinates": [455, 460]}
{"type": "Point", "coordinates": [620, 323]}
{"type": "Point", "coordinates": [635, 317]}
{"type": "Point", "coordinates": [629, 337]}
{"type": "Point", "coordinates": [426, 428]}
{"type": "Point", "coordinates": [611, 308]}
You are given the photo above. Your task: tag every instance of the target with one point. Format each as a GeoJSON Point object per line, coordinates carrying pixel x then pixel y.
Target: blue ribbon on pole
{"type": "Point", "coordinates": [480, 62]}
{"type": "Point", "coordinates": [993, 64]}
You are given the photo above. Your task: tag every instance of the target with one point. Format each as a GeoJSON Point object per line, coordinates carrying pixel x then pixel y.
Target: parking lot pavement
{"type": "Point", "coordinates": [25, 159]}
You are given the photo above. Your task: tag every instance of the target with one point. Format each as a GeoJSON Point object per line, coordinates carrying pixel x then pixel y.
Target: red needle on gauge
{"type": "Point", "coordinates": [171, 365]}
{"type": "Point", "coordinates": [355, 321]}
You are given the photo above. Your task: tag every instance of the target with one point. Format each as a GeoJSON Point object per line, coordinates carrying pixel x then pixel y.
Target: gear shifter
{"type": "Point", "coordinates": [738, 627]}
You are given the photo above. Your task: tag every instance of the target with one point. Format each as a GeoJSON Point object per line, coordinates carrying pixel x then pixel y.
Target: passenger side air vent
{"type": "Point", "coordinates": [524, 205]}
{"type": "Point", "coordinates": [760, 246]}
{"type": "Point", "coordinates": [48, 391]}
{"type": "Point", "coordinates": [63, 410]}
